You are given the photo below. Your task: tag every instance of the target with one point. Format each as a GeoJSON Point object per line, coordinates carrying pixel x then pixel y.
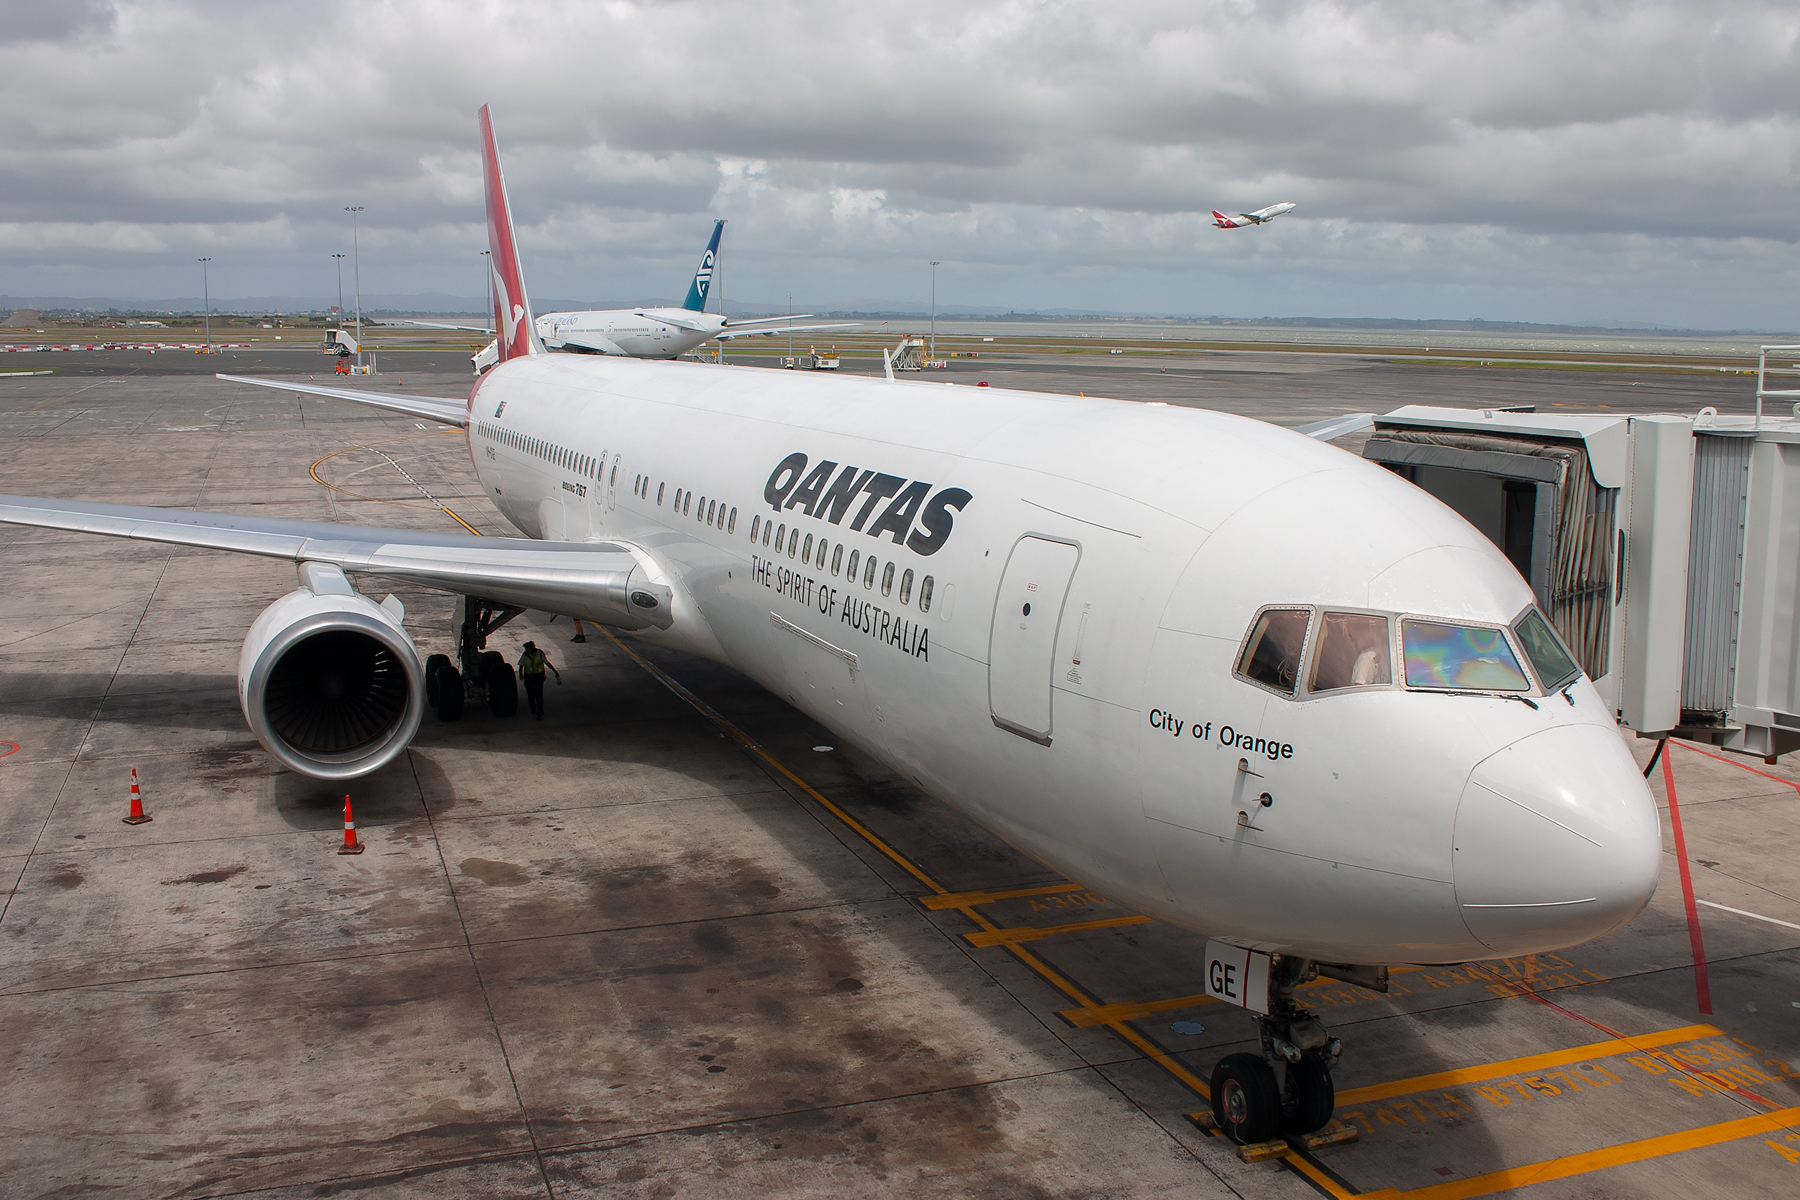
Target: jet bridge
{"type": "Point", "coordinates": [1661, 547]}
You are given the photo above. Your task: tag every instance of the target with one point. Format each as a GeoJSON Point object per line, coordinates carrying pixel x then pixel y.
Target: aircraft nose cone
{"type": "Point", "coordinates": [1557, 841]}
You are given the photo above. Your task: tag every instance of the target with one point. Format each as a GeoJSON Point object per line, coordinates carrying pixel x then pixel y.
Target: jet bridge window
{"type": "Point", "coordinates": [1464, 657]}
{"type": "Point", "coordinates": [1354, 650]}
{"type": "Point", "coordinates": [1545, 650]}
{"type": "Point", "coordinates": [1272, 655]}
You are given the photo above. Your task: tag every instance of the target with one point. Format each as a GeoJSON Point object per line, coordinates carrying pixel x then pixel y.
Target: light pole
{"type": "Point", "coordinates": [934, 267]}
{"type": "Point", "coordinates": [487, 289]}
{"type": "Point", "coordinates": [356, 276]}
{"type": "Point", "coordinates": [206, 291]}
{"type": "Point", "coordinates": [340, 269]}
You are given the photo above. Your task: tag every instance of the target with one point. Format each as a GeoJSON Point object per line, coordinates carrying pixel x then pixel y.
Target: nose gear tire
{"type": "Point", "coordinates": [1246, 1104]}
{"type": "Point", "coordinates": [1314, 1096]}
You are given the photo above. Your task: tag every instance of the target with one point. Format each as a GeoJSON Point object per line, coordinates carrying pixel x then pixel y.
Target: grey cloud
{"type": "Point", "coordinates": [1539, 153]}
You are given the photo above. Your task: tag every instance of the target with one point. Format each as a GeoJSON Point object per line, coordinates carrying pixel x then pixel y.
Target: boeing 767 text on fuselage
{"type": "Point", "coordinates": [1221, 671]}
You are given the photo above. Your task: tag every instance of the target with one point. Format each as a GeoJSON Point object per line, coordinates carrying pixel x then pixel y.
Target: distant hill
{"type": "Point", "coordinates": [441, 304]}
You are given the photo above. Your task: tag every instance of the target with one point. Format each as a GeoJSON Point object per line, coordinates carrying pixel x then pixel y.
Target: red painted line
{"type": "Point", "coordinates": [7, 748]}
{"type": "Point", "coordinates": [1702, 989]}
{"type": "Point", "coordinates": [1735, 763]}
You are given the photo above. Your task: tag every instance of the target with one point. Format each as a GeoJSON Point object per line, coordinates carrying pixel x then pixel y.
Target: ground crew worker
{"type": "Point", "coordinates": [579, 635]}
{"type": "Point", "coordinates": [532, 665]}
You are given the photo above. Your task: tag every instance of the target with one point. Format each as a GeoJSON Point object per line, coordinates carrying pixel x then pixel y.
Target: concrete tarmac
{"type": "Point", "coordinates": [671, 942]}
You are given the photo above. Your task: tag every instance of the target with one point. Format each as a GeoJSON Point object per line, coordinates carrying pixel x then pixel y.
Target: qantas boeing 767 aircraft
{"type": "Point", "coordinates": [1231, 675]}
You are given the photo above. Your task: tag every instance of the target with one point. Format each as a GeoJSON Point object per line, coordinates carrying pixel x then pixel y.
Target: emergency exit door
{"type": "Point", "coordinates": [1022, 643]}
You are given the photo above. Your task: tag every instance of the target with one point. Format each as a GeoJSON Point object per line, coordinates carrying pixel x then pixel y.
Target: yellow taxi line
{"type": "Point", "coordinates": [964, 899]}
{"type": "Point", "coordinates": [1529, 1062]}
{"type": "Point", "coordinates": [1031, 933]}
{"type": "Point", "coordinates": [1595, 1160]}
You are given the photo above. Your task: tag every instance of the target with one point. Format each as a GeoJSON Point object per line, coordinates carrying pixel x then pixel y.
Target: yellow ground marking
{"type": "Point", "coordinates": [435, 503]}
{"type": "Point", "coordinates": [1595, 1160]}
{"type": "Point", "coordinates": [964, 899]}
{"type": "Point", "coordinates": [1037, 965]}
{"type": "Point", "coordinates": [1128, 1010]}
{"type": "Point", "coordinates": [1530, 1062]}
{"type": "Point", "coordinates": [1031, 933]}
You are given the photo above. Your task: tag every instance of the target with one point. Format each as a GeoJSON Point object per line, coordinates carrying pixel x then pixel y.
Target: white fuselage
{"type": "Point", "coordinates": [641, 333]}
{"type": "Point", "coordinates": [1071, 685]}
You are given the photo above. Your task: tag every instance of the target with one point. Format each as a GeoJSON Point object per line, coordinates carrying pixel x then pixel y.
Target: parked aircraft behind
{"type": "Point", "coordinates": [656, 332]}
{"type": "Point", "coordinates": [1223, 672]}
{"type": "Point", "coordinates": [1261, 216]}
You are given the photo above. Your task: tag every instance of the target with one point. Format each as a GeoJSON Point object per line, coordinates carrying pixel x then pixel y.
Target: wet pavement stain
{"type": "Point", "coordinates": [494, 874]}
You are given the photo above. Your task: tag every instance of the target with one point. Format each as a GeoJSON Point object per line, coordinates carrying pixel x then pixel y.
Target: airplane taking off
{"type": "Point", "coordinates": [1260, 217]}
{"type": "Point", "coordinates": [1232, 676]}
{"type": "Point", "coordinates": [655, 332]}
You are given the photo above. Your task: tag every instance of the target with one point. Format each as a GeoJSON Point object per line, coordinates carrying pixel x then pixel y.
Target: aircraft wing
{"type": "Point", "coordinates": [677, 322]}
{"type": "Point", "coordinates": [589, 340]}
{"type": "Point", "coordinates": [735, 332]}
{"type": "Point", "coordinates": [487, 329]}
{"type": "Point", "coordinates": [1333, 427]}
{"type": "Point", "coordinates": [553, 576]}
{"type": "Point", "coordinates": [446, 412]}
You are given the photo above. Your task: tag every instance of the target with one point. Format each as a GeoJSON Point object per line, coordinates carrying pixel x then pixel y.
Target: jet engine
{"type": "Point", "coordinates": [329, 681]}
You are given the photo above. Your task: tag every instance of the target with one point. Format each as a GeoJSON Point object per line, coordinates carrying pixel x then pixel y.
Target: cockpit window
{"type": "Point", "coordinates": [1272, 656]}
{"type": "Point", "coordinates": [1353, 651]}
{"type": "Point", "coordinates": [1545, 650]}
{"type": "Point", "coordinates": [1468, 657]}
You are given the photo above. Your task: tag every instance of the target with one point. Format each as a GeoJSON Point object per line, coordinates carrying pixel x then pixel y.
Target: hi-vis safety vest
{"type": "Point", "coordinates": [531, 662]}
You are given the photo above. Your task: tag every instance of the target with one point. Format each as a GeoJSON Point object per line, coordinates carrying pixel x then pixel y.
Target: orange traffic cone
{"type": "Point", "coordinates": [351, 845]}
{"type": "Point", "coordinates": [138, 815]}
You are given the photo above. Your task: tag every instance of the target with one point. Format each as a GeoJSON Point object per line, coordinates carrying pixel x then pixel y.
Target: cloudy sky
{"type": "Point", "coordinates": [1506, 160]}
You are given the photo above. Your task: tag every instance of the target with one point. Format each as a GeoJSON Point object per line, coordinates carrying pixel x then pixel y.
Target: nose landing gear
{"type": "Point", "coordinates": [1286, 1090]}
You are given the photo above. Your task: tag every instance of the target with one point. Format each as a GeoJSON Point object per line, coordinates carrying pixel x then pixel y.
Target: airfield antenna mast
{"type": "Point", "coordinates": [356, 272]}
{"type": "Point", "coordinates": [206, 293]}
{"type": "Point", "coordinates": [934, 267]}
{"type": "Point", "coordinates": [340, 269]}
{"type": "Point", "coordinates": [487, 288]}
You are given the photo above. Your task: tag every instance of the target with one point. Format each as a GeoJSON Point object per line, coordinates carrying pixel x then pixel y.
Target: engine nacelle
{"type": "Point", "coordinates": [329, 681]}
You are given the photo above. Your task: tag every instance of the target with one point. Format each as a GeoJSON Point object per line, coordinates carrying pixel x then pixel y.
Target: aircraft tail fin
{"type": "Point", "coordinates": [697, 290]}
{"type": "Point", "coordinates": [1223, 221]}
{"type": "Point", "coordinates": [516, 336]}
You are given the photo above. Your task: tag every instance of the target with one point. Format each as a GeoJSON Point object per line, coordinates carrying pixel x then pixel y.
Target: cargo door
{"type": "Point", "coordinates": [1022, 643]}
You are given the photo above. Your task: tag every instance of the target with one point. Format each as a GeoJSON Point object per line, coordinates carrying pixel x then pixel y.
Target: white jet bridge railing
{"type": "Point", "coordinates": [1762, 370]}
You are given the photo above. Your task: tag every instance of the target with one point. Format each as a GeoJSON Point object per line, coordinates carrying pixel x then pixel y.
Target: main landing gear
{"type": "Point", "coordinates": [1287, 1089]}
{"type": "Point", "coordinates": [484, 675]}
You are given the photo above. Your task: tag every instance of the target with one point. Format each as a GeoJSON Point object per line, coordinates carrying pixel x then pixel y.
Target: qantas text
{"type": "Point", "coordinates": [818, 494]}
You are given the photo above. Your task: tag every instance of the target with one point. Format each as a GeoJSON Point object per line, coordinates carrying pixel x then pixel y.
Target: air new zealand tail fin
{"type": "Point", "coordinates": [696, 297]}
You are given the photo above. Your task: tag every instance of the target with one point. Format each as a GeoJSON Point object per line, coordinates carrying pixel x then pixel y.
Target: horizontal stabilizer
{"type": "Point", "coordinates": [446, 412]}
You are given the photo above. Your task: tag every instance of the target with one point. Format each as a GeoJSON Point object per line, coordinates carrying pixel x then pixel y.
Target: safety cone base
{"type": "Point", "coordinates": [137, 819]}
{"type": "Point", "coordinates": [356, 849]}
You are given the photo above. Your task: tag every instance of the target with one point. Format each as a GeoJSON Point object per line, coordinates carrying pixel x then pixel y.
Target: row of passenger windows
{"type": "Point", "coordinates": [1341, 650]}
{"type": "Point", "coordinates": [711, 512]}
{"type": "Point", "coordinates": [817, 554]}
{"type": "Point", "coordinates": [586, 465]}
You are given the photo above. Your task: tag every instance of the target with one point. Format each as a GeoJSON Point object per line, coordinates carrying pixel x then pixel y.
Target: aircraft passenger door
{"type": "Point", "coordinates": [1022, 643]}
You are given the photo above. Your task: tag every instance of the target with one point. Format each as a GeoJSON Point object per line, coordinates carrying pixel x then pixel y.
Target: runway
{"type": "Point", "coordinates": [672, 941]}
